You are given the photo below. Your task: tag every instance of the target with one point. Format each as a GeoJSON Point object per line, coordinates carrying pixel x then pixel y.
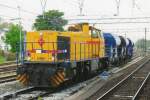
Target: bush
{"type": "Point", "coordinates": [7, 56]}
{"type": "Point", "coordinates": [2, 59]}
{"type": "Point", "coordinates": [10, 56]}
{"type": "Point", "coordinates": [2, 53]}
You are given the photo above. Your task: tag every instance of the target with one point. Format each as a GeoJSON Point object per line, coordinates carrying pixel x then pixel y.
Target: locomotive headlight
{"type": "Point", "coordinates": [28, 58]}
{"type": "Point", "coordinates": [64, 51]}
{"type": "Point", "coordinates": [53, 58]}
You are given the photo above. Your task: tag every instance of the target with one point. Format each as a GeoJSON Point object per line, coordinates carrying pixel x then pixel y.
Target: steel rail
{"type": "Point", "coordinates": [118, 84]}
{"type": "Point", "coordinates": [14, 94]}
{"type": "Point", "coordinates": [141, 87]}
{"type": "Point", "coordinates": [8, 63]}
{"type": "Point", "coordinates": [7, 79]}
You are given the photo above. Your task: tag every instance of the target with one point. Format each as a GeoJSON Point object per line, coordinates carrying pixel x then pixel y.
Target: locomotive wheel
{"type": "Point", "coordinates": [79, 71]}
{"type": "Point", "coordinates": [100, 66]}
{"type": "Point", "coordinates": [117, 62]}
{"type": "Point", "coordinates": [86, 70]}
{"type": "Point", "coordinates": [103, 65]}
{"type": "Point", "coordinates": [83, 71]}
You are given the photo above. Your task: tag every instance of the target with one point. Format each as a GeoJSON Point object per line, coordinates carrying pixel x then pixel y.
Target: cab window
{"type": "Point", "coordinates": [95, 34]}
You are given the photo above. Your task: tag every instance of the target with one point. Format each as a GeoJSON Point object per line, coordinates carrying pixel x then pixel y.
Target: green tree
{"type": "Point", "coordinates": [12, 37]}
{"type": "Point", "coordinates": [51, 20]}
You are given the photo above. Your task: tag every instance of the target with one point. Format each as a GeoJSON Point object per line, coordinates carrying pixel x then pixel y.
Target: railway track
{"type": "Point", "coordinates": [8, 67]}
{"type": "Point", "coordinates": [8, 63]}
{"type": "Point", "coordinates": [34, 93]}
{"type": "Point", "coordinates": [31, 93]}
{"type": "Point", "coordinates": [7, 72]}
{"type": "Point", "coordinates": [7, 78]}
{"type": "Point", "coordinates": [131, 86]}
{"type": "Point", "coordinates": [143, 92]}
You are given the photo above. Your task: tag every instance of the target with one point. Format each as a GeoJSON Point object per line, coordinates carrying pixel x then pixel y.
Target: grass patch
{"type": "Point", "coordinates": [2, 60]}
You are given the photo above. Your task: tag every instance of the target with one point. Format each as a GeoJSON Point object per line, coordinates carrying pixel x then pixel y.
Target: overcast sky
{"type": "Point", "coordinates": [92, 8]}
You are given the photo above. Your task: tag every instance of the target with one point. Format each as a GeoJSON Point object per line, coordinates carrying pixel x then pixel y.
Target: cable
{"type": "Point", "coordinates": [72, 3]}
{"type": "Point", "coordinates": [10, 7]}
{"type": "Point", "coordinates": [6, 16]}
{"type": "Point", "coordinates": [130, 18]}
{"type": "Point", "coordinates": [136, 28]}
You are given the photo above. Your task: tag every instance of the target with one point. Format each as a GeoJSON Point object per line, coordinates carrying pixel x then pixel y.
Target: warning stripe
{"type": "Point", "coordinates": [53, 83]}
{"type": "Point", "coordinates": [18, 77]}
{"type": "Point", "coordinates": [63, 74]}
{"type": "Point", "coordinates": [24, 80]}
{"type": "Point", "coordinates": [60, 76]}
{"type": "Point", "coordinates": [54, 80]}
{"type": "Point", "coordinates": [58, 79]}
{"type": "Point", "coordinates": [22, 77]}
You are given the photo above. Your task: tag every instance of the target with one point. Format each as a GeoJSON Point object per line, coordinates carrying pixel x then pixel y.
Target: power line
{"type": "Point", "coordinates": [14, 8]}
{"type": "Point", "coordinates": [6, 16]}
{"type": "Point", "coordinates": [116, 31]}
{"type": "Point", "coordinates": [120, 22]}
{"type": "Point", "coordinates": [124, 29]}
{"type": "Point", "coordinates": [130, 18]}
{"type": "Point", "coordinates": [111, 20]}
{"type": "Point", "coordinates": [129, 22]}
{"type": "Point", "coordinates": [75, 3]}
{"type": "Point", "coordinates": [79, 3]}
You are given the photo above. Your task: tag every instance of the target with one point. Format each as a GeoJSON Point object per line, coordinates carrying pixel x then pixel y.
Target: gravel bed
{"type": "Point", "coordinates": [8, 87]}
{"type": "Point", "coordinates": [62, 95]}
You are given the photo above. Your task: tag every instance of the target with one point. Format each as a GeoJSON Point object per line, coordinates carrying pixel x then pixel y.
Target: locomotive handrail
{"type": "Point", "coordinates": [83, 52]}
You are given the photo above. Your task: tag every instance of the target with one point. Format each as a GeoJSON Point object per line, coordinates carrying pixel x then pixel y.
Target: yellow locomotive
{"type": "Point", "coordinates": [51, 57]}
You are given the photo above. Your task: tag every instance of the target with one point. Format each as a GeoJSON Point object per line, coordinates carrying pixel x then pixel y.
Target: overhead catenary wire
{"type": "Point", "coordinates": [130, 18]}
{"type": "Point", "coordinates": [5, 16]}
{"type": "Point", "coordinates": [75, 3]}
{"type": "Point", "coordinates": [15, 8]}
{"type": "Point", "coordinates": [113, 23]}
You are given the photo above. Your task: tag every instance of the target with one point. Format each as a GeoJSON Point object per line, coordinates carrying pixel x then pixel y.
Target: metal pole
{"type": "Point", "coordinates": [81, 4]}
{"type": "Point", "coordinates": [133, 6]}
{"type": "Point", "coordinates": [125, 35]}
{"type": "Point", "coordinates": [43, 4]}
{"type": "Point", "coordinates": [19, 16]}
{"type": "Point", "coordinates": [145, 41]}
{"type": "Point", "coordinates": [118, 6]}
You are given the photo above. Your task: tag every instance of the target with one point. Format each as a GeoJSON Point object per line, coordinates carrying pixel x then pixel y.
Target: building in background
{"type": "Point", "coordinates": [3, 46]}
